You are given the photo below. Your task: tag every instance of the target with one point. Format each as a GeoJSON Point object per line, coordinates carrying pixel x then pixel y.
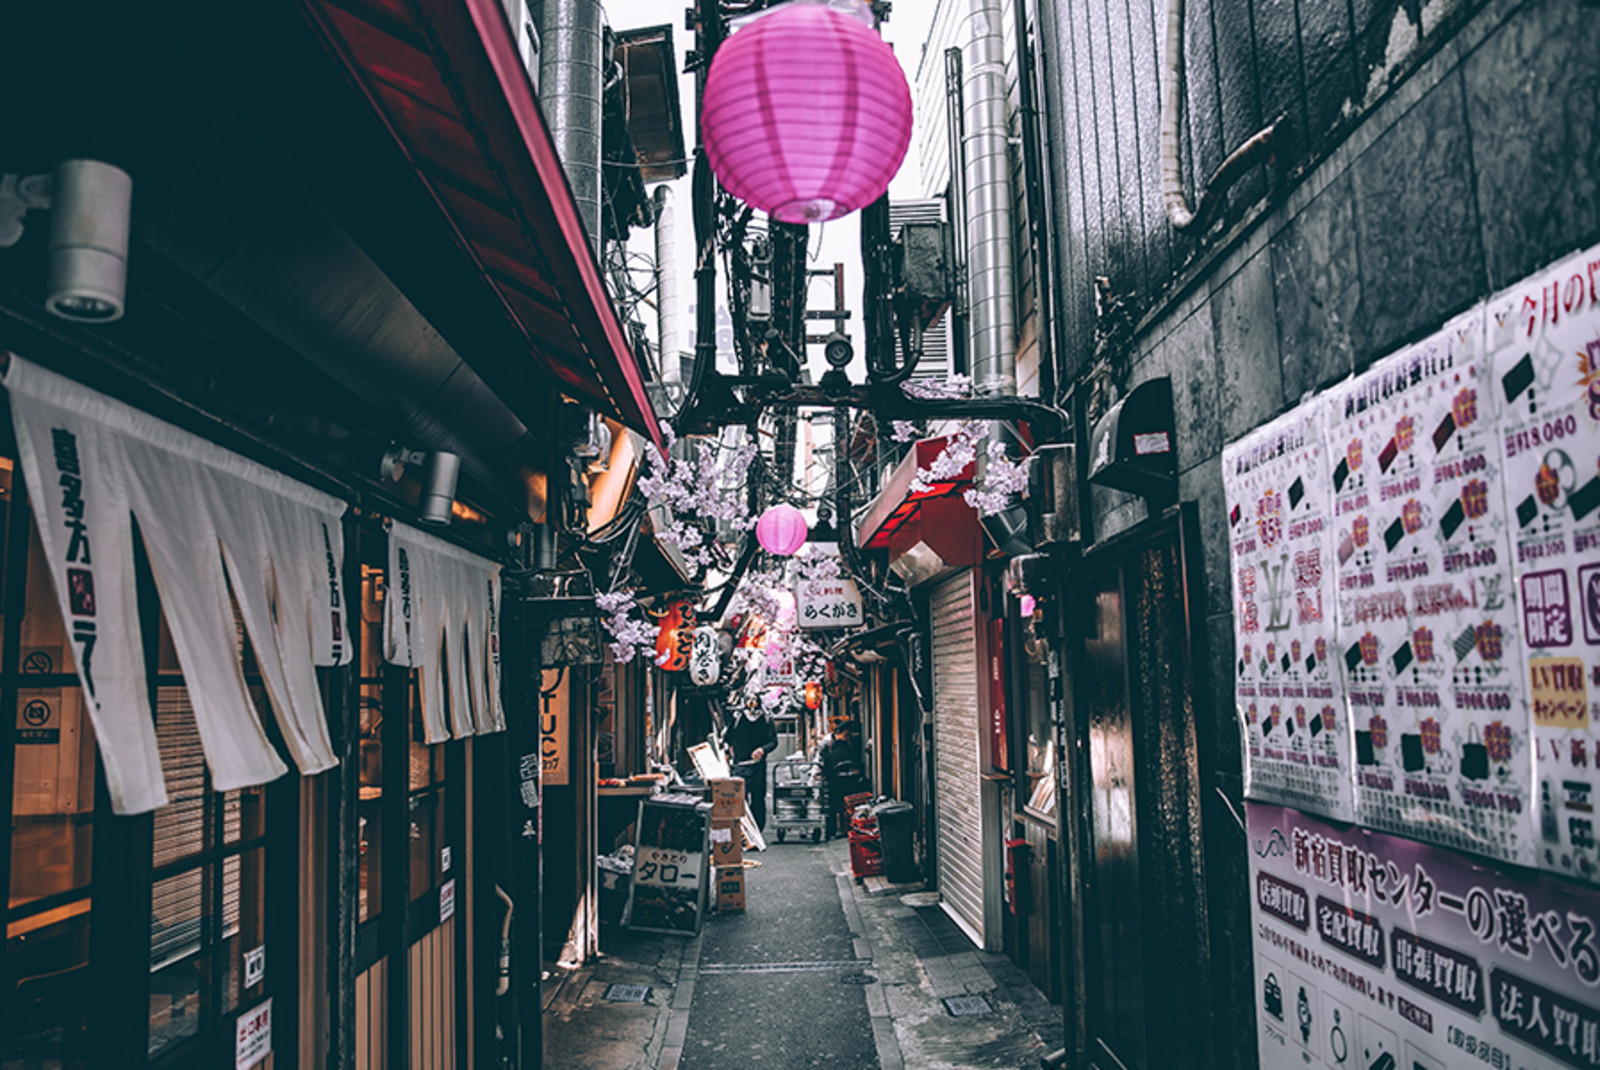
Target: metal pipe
{"type": "Point", "coordinates": [569, 80]}
{"type": "Point", "coordinates": [1036, 206]}
{"type": "Point", "coordinates": [954, 98]}
{"type": "Point", "coordinates": [988, 203]}
{"type": "Point", "coordinates": [1257, 148]}
{"type": "Point", "coordinates": [667, 285]}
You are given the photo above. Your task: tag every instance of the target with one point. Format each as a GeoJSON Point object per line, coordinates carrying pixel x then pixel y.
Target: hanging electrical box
{"type": "Point", "coordinates": [1133, 447]}
{"type": "Point", "coordinates": [924, 276]}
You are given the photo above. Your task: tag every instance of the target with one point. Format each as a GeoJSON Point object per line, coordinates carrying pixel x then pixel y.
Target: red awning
{"type": "Point", "coordinates": [449, 84]}
{"type": "Point", "coordinates": [897, 504]}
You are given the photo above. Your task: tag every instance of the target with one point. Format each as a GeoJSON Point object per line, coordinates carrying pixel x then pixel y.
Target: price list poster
{"type": "Point", "coordinates": [1426, 622]}
{"type": "Point", "coordinates": [1280, 515]}
{"type": "Point", "coordinates": [1544, 337]}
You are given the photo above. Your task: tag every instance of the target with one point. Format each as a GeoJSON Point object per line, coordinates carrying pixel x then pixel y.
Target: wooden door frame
{"type": "Point", "coordinates": [403, 918]}
{"type": "Point", "coordinates": [1180, 524]}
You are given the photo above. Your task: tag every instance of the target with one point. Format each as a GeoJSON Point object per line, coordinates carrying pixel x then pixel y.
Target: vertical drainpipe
{"type": "Point", "coordinates": [569, 84]}
{"type": "Point", "coordinates": [667, 285]}
{"type": "Point", "coordinates": [987, 177]}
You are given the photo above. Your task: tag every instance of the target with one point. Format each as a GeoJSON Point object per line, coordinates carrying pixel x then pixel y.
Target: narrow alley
{"type": "Point", "coordinates": [819, 971]}
{"type": "Point", "coordinates": [782, 534]}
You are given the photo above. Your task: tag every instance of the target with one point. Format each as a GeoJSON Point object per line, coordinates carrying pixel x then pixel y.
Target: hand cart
{"type": "Point", "coordinates": [798, 804]}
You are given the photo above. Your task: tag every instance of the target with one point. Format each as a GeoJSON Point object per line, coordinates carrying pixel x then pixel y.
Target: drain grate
{"type": "Point", "coordinates": [857, 979]}
{"type": "Point", "coordinates": [967, 1006]}
{"type": "Point", "coordinates": [627, 993]}
{"type": "Point", "coordinates": [781, 967]}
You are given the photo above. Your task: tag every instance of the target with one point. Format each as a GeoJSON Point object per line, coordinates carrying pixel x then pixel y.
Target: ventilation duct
{"type": "Point", "coordinates": [986, 171]}
{"type": "Point", "coordinates": [667, 285]}
{"type": "Point", "coordinates": [570, 84]}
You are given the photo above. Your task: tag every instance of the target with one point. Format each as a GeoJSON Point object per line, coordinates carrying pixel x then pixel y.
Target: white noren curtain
{"type": "Point", "coordinates": [211, 521]}
{"type": "Point", "coordinates": [442, 615]}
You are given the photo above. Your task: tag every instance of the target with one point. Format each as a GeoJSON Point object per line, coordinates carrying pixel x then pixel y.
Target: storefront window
{"type": "Point", "coordinates": [208, 895]}
{"type": "Point", "coordinates": [425, 801]}
{"type": "Point", "coordinates": [53, 760]}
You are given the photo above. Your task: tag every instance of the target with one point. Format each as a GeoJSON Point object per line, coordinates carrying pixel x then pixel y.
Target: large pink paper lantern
{"type": "Point", "coordinates": [781, 530]}
{"type": "Point", "coordinates": [807, 114]}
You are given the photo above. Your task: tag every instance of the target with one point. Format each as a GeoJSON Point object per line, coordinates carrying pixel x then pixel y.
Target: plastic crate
{"type": "Point", "coordinates": [866, 856]}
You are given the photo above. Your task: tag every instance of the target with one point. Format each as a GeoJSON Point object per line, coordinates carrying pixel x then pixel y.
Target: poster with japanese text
{"type": "Point", "coordinates": [1277, 491]}
{"type": "Point", "coordinates": [1544, 342]}
{"type": "Point", "coordinates": [1378, 953]}
{"type": "Point", "coordinates": [1426, 626]}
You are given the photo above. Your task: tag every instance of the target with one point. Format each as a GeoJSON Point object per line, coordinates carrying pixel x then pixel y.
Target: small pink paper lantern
{"type": "Point", "coordinates": [806, 114]}
{"type": "Point", "coordinates": [781, 530]}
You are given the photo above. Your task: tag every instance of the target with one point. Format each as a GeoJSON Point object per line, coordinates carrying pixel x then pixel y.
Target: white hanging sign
{"type": "Point", "coordinates": [705, 657]}
{"type": "Point", "coordinates": [831, 603]}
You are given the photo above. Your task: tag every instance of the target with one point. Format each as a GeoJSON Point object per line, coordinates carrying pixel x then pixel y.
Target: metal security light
{"type": "Point", "coordinates": [87, 270]}
{"type": "Point", "coordinates": [439, 475]}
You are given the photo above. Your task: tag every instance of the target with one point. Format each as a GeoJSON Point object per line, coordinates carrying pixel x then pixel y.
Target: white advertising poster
{"type": "Point", "coordinates": [1426, 623]}
{"type": "Point", "coordinates": [1289, 694]}
{"type": "Point", "coordinates": [1378, 953]}
{"type": "Point", "coordinates": [1544, 341]}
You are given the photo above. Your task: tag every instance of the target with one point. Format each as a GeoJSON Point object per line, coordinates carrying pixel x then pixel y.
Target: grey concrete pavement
{"type": "Point", "coordinates": [818, 972]}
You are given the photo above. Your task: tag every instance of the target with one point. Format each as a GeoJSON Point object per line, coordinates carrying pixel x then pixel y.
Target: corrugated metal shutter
{"type": "Point", "coordinates": [957, 787]}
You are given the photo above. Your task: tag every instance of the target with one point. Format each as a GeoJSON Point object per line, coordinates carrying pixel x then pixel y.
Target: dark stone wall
{"type": "Point", "coordinates": [1431, 154]}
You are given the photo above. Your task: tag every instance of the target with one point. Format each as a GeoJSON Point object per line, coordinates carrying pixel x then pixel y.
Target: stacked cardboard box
{"type": "Point", "coordinates": [727, 798]}
{"type": "Point", "coordinates": [727, 841]}
{"type": "Point", "coordinates": [730, 888]}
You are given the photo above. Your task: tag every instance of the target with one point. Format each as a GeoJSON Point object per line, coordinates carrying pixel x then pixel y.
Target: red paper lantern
{"type": "Point", "coordinates": [806, 114]}
{"type": "Point", "coordinates": [813, 695]}
{"type": "Point", "coordinates": [676, 638]}
{"type": "Point", "coordinates": [781, 530]}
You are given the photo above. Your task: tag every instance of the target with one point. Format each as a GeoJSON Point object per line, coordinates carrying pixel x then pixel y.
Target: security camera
{"type": "Point", "coordinates": [87, 275]}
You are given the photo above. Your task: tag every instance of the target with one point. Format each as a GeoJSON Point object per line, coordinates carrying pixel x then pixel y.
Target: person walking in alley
{"type": "Point", "coordinates": [842, 771]}
{"type": "Point", "coordinates": [751, 739]}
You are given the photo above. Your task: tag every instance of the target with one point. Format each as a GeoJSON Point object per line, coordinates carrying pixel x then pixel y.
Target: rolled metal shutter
{"type": "Point", "coordinates": [957, 787]}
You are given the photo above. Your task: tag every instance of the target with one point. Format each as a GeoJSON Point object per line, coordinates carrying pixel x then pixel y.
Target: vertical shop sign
{"type": "Point", "coordinates": [999, 750]}
{"type": "Point", "coordinates": [554, 722]}
{"type": "Point", "coordinates": [1280, 516]}
{"type": "Point", "coordinates": [1377, 952]}
{"type": "Point", "coordinates": [1544, 341]}
{"type": "Point", "coordinates": [1427, 622]}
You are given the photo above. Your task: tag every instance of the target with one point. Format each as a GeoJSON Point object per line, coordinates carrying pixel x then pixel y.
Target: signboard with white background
{"type": "Point", "coordinates": [830, 603]}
